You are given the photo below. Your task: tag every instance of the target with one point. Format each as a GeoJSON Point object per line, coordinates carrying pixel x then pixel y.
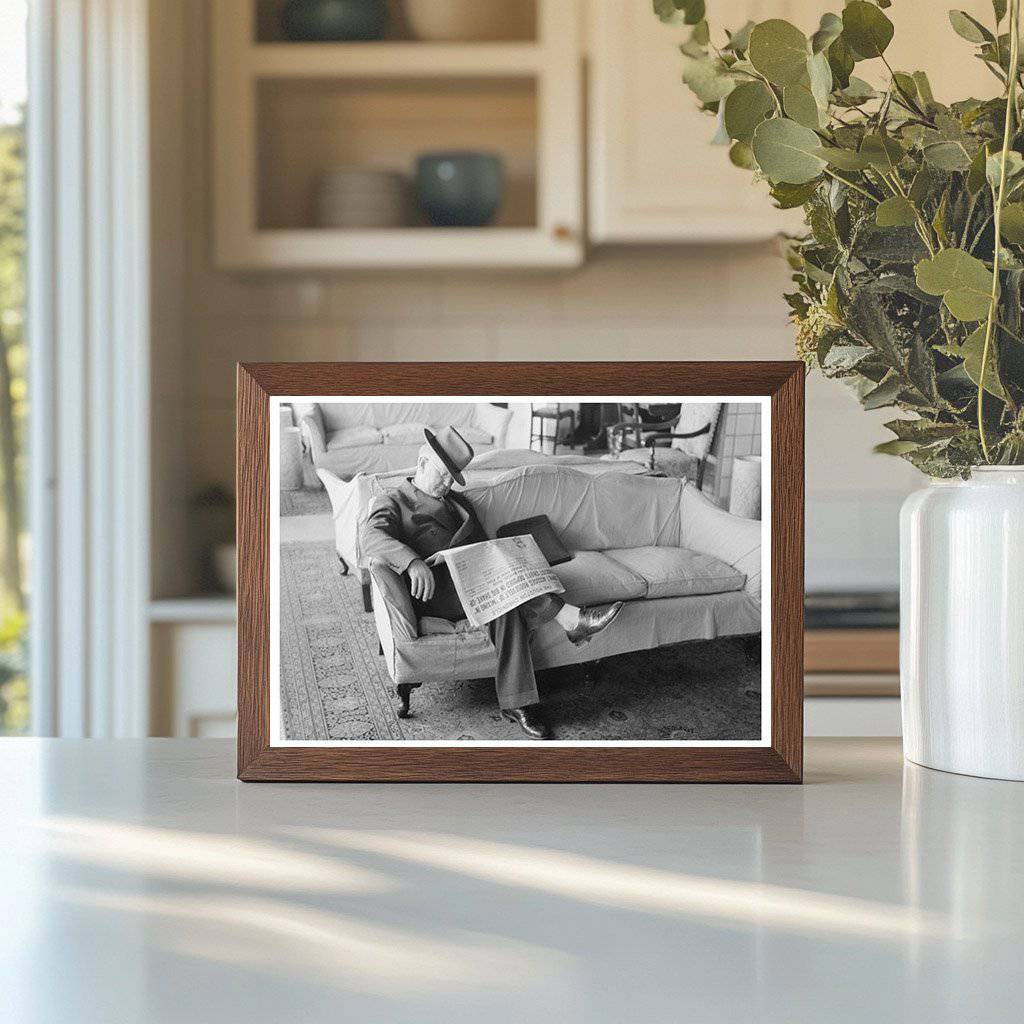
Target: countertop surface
{"type": "Point", "coordinates": [140, 882]}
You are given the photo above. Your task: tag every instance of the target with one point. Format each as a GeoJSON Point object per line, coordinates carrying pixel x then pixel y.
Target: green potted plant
{"type": "Point", "coordinates": [909, 288]}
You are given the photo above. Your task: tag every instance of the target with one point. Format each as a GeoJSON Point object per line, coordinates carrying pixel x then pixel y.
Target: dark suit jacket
{"type": "Point", "coordinates": [407, 524]}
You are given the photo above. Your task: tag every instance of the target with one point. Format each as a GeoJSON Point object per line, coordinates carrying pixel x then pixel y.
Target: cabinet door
{"type": "Point", "coordinates": [654, 176]}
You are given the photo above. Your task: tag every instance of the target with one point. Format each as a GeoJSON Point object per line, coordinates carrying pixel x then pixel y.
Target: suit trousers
{"type": "Point", "coordinates": [515, 682]}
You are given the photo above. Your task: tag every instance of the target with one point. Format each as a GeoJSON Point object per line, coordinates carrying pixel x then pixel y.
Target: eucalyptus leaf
{"type": "Point", "coordinates": [857, 91]}
{"type": "Point", "coordinates": [819, 75]}
{"type": "Point", "coordinates": [922, 430]}
{"type": "Point", "coordinates": [708, 80]}
{"type": "Point", "coordinates": [1012, 223]}
{"type": "Point", "coordinates": [947, 156]}
{"type": "Point", "coordinates": [788, 196]}
{"type": "Point", "coordinates": [976, 174]}
{"type": "Point", "coordinates": [690, 12]}
{"type": "Point", "coordinates": [963, 281]}
{"type": "Point", "coordinates": [866, 30]}
{"type": "Point", "coordinates": [829, 30]}
{"type": "Point", "coordinates": [884, 395]}
{"type": "Point", "coordinates": [701, 34]}
{"type": "Point", "coordinates": [787, 152]}
{"type": "Point", "coordinates": [969, 28]}
{"type": "Point", "coordinates": [779, 51]}
{"type": "Point", "coordinates": [883, 152]}
{"type": "Point", "coordinates": [844, 159]}
{"type": "Point", "coordinates": [745, 108]}
{"type": "Point", "coordinates": [993, 167]}
{"type": "Point", "coordinates": [924, 87]}
{"type": "Point", "coordinates": [721, 136]}
{"type": "Point", "coordinates": [739, 41]}
{"type": "Point", "coordinates": [801, 106]}
{"type": "Point", "coordinates": [922, 185]}
{"type": "Point", "coordinates": [841, 62]}
{"type": "Point", "coordinates": [906, 84]}
{"type": "Point", "coordinates": [693, 10]}
{"type": "Point", "coordinates": [741, 155]}
{"type": "Point", "coordinates": [972, 351]}
{"type": "Point", "coordinates": [895, 212]}
{"type": "Point", "coordinates": [895, 447]}
{"type": "Point", "coordinates": [843, 358]}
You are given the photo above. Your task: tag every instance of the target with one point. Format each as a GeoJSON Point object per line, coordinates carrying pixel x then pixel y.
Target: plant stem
{"type": "Point", "coordinates": [853, 185]}
{"type": "Point", "coordinates": [1011, 108]}
{"type": "Point", "coordinates": [907, 99]}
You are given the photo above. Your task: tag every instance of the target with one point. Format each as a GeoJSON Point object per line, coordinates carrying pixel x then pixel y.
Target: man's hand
{"type": "Point", "coordinates": [421, 580]}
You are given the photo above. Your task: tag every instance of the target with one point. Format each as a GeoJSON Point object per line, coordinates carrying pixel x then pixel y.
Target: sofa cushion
{"type": "Point", "coordinates": [474, 435]}
{"type": "Point", "coordinates": [403, 433]}
{"type": "Point", "coordinates": [590, 577]}
{"type": "Point", "coordinates": [590, 512]}
{"type": "Point", "coordinates": [352, 437]}
{"type": "Point", "coordinates": [678, 572]}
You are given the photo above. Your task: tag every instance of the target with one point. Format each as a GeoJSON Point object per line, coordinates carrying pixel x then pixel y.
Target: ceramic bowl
{"type": "Point", "coordinates": [460, 189]}
{"type": "Point", "coordinates": [470, 20]}
{"type": "Point", "coordinates": [333, 21]}
{"type": "Point", "coordinates": [359, 197]}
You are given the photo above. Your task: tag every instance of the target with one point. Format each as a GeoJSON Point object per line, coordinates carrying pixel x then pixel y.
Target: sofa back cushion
{"type": "Point", "coordinates": [589, 513]}
{"type": "Point", "coordinates": [339, 415]}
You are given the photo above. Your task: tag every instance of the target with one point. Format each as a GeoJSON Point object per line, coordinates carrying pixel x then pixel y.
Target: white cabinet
{"type": "Point", "coordinates": [653, 177]}
{"type": "Point", "coordinates": [286, 114]}
{"type": "Point", "coordinates": [193, 683]}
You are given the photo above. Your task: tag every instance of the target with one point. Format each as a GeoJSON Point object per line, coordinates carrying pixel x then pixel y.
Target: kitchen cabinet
{"type": "Point", "coordinates": [287, 114]}
{"type": "Point", "coordinates": [654, 177]}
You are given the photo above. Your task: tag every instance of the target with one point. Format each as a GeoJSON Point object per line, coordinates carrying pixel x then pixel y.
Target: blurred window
{"type": "Point", "coordinates": [14, 538]}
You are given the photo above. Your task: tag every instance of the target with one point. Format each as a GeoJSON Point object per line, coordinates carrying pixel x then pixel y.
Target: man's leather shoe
{"type": "Point", "coordinates": [530, 720]}
{"type": "Point", "coordinates": [592, 620]}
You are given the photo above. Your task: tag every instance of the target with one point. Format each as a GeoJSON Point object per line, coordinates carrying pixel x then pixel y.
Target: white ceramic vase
{"type": "Point", "coordinates": [962, 624]}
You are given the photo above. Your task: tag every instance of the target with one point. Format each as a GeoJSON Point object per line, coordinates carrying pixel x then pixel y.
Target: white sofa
{"type": "Point", "coordinates": [350, 499]}
{"type": "Point", "coordinates": [685, 568]}
{"type": "Point", "coordinates": [347, 438]}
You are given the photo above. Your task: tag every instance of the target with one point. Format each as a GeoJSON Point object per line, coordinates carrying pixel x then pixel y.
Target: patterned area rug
{"type": "Point", "coordinates": [305, 503]}
{"type": "Point", "coordinates": [334, 685]}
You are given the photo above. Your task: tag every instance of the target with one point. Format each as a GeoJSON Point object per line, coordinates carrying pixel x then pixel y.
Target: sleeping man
{"type": "Point", "coordinates": [424, 516]}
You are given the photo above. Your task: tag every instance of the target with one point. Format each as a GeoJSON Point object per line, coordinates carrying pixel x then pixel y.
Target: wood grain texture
{"type": "Point", "coordinates": [852, 650]}
{"type": "Point", "coordinates": [781, 762]}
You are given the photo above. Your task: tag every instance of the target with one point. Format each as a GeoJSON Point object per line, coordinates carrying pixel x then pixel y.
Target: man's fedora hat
{"type": "Point", "coordinates": [454, 451]}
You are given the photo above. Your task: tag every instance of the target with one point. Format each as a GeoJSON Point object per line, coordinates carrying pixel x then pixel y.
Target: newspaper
{"type": "Point", "coordinates": [495, 576]}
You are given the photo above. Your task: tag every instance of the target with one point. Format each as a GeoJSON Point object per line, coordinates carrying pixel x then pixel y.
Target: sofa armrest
{"type": "Point", "coordinates": [313, 433]}
{"type": "Point", "coordinates": [495, 421]}
{"type": "Point", "coordinates": [392, 606]}
{"type": "Point", "coordinates": [706, 528]}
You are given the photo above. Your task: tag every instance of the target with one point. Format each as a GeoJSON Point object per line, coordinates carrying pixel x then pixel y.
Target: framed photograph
{"type": "Point", "coordinates": [518, 572]}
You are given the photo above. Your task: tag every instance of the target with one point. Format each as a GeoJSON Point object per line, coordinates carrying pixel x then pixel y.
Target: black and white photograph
{"type": "Point", "coordinates": [552, 570]}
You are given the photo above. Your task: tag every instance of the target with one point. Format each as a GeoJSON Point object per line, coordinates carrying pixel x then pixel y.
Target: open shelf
{"type": "Point", "coordinates": [520, 24]}
{"type": "Point", "coordinates": [309, 127]}
{"type": "Point", "coordinates": [286, 114]}
{"type": "Point", "coordinates": [392, 60]}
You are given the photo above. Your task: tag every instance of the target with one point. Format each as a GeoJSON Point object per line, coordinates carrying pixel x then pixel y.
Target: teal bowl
{"type": "Point", "coordinates": [334, 21]}
{"type": "Point", "coordinates": [462, 190]}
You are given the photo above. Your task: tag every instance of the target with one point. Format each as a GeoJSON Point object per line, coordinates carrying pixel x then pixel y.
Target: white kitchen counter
{"type": "Point", "coordinates": [140, 882]}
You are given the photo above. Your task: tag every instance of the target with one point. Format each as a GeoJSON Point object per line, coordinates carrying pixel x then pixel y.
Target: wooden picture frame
{"type": "Point", "coordinates": [778, 759]}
